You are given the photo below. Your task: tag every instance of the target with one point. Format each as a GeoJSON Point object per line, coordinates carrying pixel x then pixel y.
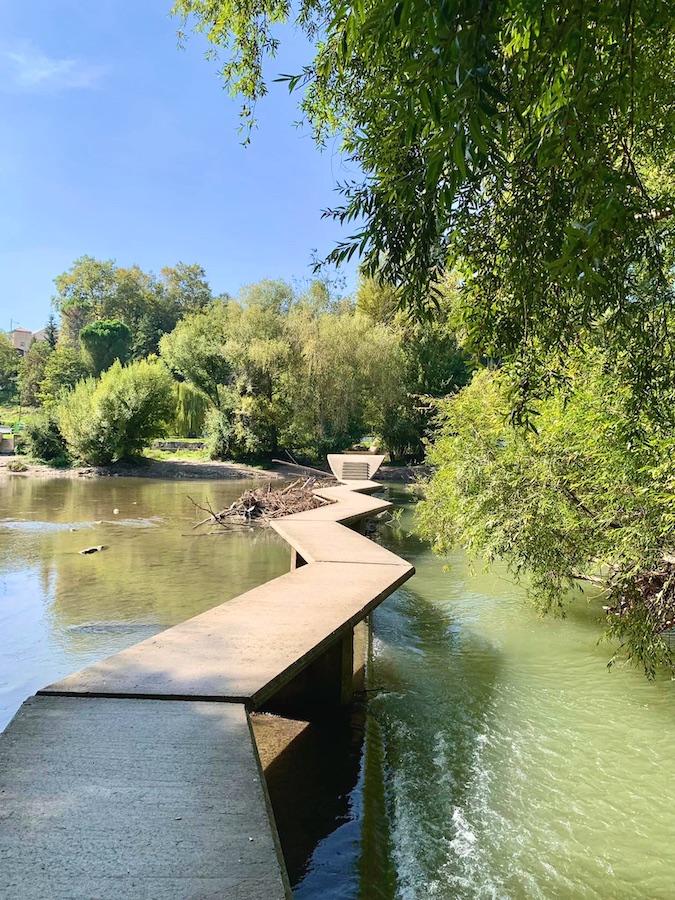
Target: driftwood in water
{"type": "Point", "coordinates": [292, 465]}
{"type": "Point", "coordinates": [264, 504]}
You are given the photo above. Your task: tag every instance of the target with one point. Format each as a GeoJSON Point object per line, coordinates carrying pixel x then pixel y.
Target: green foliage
{"type": "Point", "coordinates": [221, 441]}
{"type": "Point", "coordinates": [32, 372]}
{"type": "Point", "coordinates": [529, 144]}
{"type": "Point", "coordinates": [194, 350]}
{"type": "Point", "coordinates": [44, 440]}
{"type": "Point", "coordinates": [103, 342]}
{"type": "Point", "coordinates": [118, 415]}
{"type": "Point", "coordinates": [191, 409]}
{"type": "Point", "coordinates": [51, 332]}
{"type": "Point", "coordinates": [9, 367]}
{"type": "Point", "coordinates": [346, 372]}
{"type": "Point", "coordinates": [431, 366]}
{"type": "Point", "coordinates": [93, 289]}
{"type": "Point", "coordinates": [302, 372]}
{"type": "Point", "coordinates": [63, 369]}
{"type": "Point", "coordinates": [589, 493]}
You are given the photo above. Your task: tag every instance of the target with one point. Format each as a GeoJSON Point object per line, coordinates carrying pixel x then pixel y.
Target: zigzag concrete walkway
{"type": "Point", "coordinates": [108, 792]}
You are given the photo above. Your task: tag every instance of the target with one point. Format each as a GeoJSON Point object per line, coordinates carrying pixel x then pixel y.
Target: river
{"type": "Point", "coordinates": [495, 757]}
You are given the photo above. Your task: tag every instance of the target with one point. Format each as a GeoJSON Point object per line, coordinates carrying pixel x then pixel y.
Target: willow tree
{"type": "Point", "coordinates": [530, 145]}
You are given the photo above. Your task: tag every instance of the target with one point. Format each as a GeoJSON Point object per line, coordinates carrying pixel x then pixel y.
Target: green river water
{"type": "Point", "coordinates": [497, 757]}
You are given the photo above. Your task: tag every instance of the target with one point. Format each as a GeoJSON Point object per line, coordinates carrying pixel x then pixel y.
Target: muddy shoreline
{"type": "Point", "coordinates": [184, 469]}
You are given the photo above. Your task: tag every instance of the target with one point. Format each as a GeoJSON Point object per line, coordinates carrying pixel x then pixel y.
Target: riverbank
{"type": "Point", "coordinates": [183, 469]}
{"type": "Point", "coordinates": [165, 469]}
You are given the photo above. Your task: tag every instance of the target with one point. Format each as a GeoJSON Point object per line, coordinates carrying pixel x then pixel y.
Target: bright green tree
{"type": "Point", "coordinates": [116, 416]}
{"type": "Point", "coordinates": [185, 287]}
{"type": "Point", "coordinates": [63, 369]}
{"type": "Point", "coordinates": [32, 372]}
{"type": "Point", "coordinates": [195, 351]}
{"type": "Point", "coordinates": [587, 495]}
{"type": "Point", "coordinates": [9, 367]}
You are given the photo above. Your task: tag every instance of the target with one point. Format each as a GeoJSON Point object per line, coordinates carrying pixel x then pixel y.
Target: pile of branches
{"type": "Point", "coordinates": [264, 504]}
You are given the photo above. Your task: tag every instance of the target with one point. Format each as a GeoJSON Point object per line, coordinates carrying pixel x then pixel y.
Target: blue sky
{"type": "Point", "coordinates": [115, 143]}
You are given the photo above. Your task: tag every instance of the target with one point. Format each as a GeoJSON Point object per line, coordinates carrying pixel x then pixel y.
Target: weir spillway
{"type": "Point", "coordinates": [108, 791]}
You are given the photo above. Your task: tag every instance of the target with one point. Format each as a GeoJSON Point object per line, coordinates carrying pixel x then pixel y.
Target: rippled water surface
{"type": "Point", "coordinates": [500, 759]}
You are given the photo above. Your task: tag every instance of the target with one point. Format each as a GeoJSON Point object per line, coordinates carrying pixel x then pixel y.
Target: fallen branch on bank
{"type": "Point", "coordinates": [264, 504]}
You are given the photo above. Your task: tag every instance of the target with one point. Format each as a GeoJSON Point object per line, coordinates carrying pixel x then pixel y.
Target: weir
{"type": "Point", "coordinates": [109, 791]}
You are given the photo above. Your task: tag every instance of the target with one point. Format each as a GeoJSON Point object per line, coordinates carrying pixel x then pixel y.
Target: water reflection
{"type": "Point", "coordinates": [60, 611]}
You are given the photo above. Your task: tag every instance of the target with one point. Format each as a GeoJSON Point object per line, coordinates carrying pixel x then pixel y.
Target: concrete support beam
{"type": "Point", "coordinates": [322, 687]}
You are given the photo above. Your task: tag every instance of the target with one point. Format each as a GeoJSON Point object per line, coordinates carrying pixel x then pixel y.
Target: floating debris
{"type": "Point", "coordinates": [88, 550]}
{"type": "Point", "coordinates": [264, 504]}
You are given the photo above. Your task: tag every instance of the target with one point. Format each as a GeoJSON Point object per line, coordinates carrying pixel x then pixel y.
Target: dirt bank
{"type": "Point", "coordinates": [182, 469]}
{"type": "Point", "coordinates": [168, 469]}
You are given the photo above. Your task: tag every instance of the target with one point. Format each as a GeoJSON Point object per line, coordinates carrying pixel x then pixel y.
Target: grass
{"type": "Point", "coordinates": [12, 412]}
{"type": "Point", "coordinates": [200, 455]}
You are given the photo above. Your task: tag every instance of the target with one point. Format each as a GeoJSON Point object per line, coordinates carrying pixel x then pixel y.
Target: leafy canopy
{"type": "Point", "coordinates": [103, 342]}
{"type": "Point", "coordinates": [528, 144]}
{"type": "Point", "coordinates": [589, 494]}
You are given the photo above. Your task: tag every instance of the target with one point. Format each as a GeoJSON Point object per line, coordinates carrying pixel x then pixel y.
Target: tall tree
{"type": "Point", "coordinates": [32, 372]}
{"type": "Point", "coordinates": [186, 287]}
{"type": "Point", "coordinates": [103, 342]}
{"type": "Point", "coordinates": [149, 306]}
{"type": "Point", "coordinates": [9, 367]}
{"type": "Point", "coordinates": [51, 331]}
{"type": "Point", "coordinates": [195, 351]}
{"type": "Point", "coordinates": [532, 144]}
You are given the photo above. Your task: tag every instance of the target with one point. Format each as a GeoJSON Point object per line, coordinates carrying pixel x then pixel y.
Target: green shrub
{"type": "Point", "coordinates": [191, 408]}
{"type": "Point", "coordinates": [117, 416]}
{"type": "Point", "coordinates": [43, 439]}
{"type": "Point", "coordinates": [63, 369]}
{"type": "Point", "coordinates": [221, 440]}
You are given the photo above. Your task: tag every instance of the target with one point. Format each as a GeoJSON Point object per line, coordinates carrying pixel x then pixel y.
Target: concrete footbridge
{"type": "Point", "coordinates": [108, 791]}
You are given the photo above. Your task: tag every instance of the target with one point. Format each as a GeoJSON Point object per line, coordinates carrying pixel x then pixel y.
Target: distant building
{"type": "Point", "coordinates": [22, 338]}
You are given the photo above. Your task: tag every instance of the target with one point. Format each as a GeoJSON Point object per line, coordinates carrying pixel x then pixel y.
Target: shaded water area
{"type": "Point", "coordinates": [494, 756]}
{"type": "Point", "coordinates": [501, 759]}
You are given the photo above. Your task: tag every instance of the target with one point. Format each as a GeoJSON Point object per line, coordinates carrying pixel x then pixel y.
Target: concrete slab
{"type": "Point", "coordinates": [249, 647]}
{"type": "Point", "coordinates": [353, 487]}
{"type": "Point", "coordinates": [361, 487]}
{"type": "Point", "coordinates": [351, 508]}
{"type": "Point", "coordinates": [124, 799]}
{"type": "Point", "coordinates": [332, 542]}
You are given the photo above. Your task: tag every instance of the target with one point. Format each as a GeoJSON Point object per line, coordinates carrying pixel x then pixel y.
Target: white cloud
{"type": "Point", "coordinates": [24, 67]}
